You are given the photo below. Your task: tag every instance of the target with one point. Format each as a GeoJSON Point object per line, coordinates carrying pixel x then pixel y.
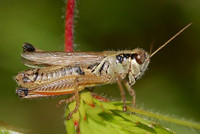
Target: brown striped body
{"type": "Point", "coordinates": [86, 68]}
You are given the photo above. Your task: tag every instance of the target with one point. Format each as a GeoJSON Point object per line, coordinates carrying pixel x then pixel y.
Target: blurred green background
{"type": "Point", "coordinates": [170, 86]}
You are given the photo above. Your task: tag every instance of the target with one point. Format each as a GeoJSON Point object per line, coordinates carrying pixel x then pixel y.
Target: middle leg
{"type": "Point", "coordinates": [131, 91]}
{"type": "Point", "coordinates": [122, 93]}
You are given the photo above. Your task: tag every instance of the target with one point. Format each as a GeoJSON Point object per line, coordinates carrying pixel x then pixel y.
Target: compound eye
{"type": "Point", "coordinates": [140, 58]}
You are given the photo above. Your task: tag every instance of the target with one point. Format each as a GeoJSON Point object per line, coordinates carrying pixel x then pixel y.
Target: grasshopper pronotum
{"type": "Point", "coordinates": [57, 73]}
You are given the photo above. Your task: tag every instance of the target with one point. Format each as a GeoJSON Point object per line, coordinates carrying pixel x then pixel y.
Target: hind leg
{"type": "Point", "coordinates": [72, 98]}
{"type": "Point", "coordinates": [77, 98]}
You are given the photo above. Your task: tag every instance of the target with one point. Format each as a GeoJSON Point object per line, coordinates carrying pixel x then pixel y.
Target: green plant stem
{"type": "Point", "coordinates": [166, 118]}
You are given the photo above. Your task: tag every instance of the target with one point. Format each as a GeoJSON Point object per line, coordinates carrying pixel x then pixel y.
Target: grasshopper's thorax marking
{"type": "Point", "coordinates": [131, 63]}
{"type": "Point", "coordinates": [139, 64]}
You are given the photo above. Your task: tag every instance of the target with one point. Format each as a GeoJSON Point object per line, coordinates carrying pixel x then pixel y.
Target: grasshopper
{"type": "Point", "coordinates": [58, 73]}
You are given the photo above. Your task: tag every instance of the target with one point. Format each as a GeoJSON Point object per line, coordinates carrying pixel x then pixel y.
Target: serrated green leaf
{"type": "Point", "coordinates": [87, 98]}
{"type": "Point", "coordinates": [110, 106]}
{"type": "Point", "coordinates": [160, 130]}
{"type": "Point", "coordinates": [94, 114]}
{"type": "Point", "coordinates": [82, 109]}
{"type": "Point", "coordinates": [69, 126]}
{"type": "Point", "coordinates": [107, 118]}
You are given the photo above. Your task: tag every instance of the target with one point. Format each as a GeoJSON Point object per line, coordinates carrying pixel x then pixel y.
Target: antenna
{"type": "Point", "coordinates": [170, 39]}
{"type": "Point", "coordinates": [151, 47]}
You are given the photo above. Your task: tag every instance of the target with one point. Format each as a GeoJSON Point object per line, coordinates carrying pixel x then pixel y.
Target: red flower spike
{"type": "Point", "coordinates": [69, 26]}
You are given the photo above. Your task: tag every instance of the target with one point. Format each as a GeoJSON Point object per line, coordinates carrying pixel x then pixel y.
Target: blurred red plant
{"type": "Point", "coordinates": [69, 25]}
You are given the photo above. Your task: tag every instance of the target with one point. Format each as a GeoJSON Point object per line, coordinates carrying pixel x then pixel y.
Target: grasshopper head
{"type": "Point", "coordinates": [139, 62]}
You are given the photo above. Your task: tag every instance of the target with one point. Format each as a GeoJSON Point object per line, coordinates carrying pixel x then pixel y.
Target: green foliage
{"type": "Point", "coordinates": [7, 131]}
{"type": "Point", "coordinates": [98, 117]}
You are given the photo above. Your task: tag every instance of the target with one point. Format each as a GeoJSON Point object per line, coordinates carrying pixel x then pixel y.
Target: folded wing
{"type": "Point", "coordinates": [61, 58]}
